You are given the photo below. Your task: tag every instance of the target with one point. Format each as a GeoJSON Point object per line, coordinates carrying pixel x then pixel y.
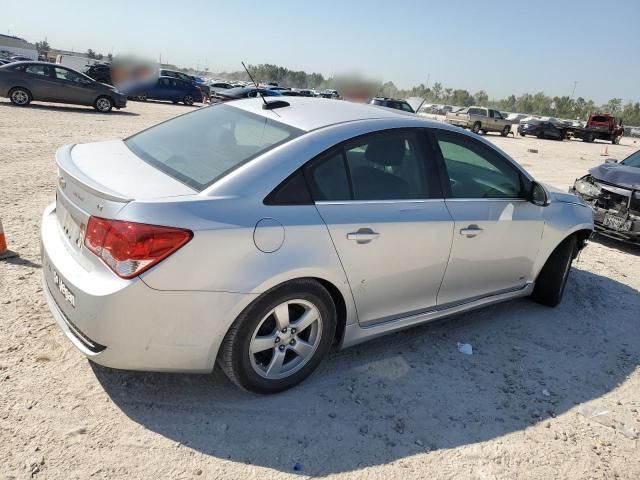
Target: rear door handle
{"type": "Point", "coordinates": [363, 235]}
{"type": "Point", "coordinates": [471, 231]}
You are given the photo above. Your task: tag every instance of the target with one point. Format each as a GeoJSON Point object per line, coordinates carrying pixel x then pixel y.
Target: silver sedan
{"type": "Point", "coordinates": [256, 235]}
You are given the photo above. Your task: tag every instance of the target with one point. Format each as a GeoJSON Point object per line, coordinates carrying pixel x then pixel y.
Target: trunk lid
{"type": "Point", "coordinates": [99, 179]}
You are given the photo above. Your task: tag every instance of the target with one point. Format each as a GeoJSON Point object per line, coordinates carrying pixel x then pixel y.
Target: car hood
{"type": "Point", "coordinates": [616, 174]}
{"type": "Point", "coordinates": [563, 196]}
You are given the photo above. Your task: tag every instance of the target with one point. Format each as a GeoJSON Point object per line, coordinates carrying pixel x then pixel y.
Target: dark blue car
{"type": "Point", "coordinates": [166, 88]}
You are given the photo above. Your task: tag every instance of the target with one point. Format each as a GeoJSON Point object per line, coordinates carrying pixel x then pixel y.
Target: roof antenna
{"type": "Point", "coordinates": [267, 105]}
{"type": "Point", "coordinates": [254, 82]}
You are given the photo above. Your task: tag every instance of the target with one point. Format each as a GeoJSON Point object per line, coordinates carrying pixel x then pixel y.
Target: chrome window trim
{"type": "Point", "coordinates": [501, 199]}
{"type": "Point", "coordinates": [367, 202]}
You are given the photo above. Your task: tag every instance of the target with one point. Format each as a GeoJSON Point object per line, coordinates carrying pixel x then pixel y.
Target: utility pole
{"type": "Point", "coordinates": [428, 77]}
{"type": "Point", "coordinates": [575, 82]}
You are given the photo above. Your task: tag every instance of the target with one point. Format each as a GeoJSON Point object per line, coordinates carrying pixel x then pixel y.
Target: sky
{"type": "Point", "coordinates": [501, 47]}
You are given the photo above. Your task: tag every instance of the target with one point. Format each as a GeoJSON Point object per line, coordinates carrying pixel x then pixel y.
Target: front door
{"type": "Point", "coordinates": [73, 87]}
{"type": "Point", "coordinates": [496, 230]}
{"type": "Point", "coordinates": [381, 201]}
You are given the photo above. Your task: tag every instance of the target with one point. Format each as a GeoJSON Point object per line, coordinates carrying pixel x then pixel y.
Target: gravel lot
{"type": "Point", "coordinates": [405, 406]}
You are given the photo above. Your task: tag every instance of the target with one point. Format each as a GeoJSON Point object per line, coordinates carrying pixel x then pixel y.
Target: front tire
{"type": "Point", "coordinates": [103, 104]}
{"type": "Point", "coordinates": [20, 97]}
{"type": "Point", "coordinates": [281, 338]}
{"type": "Point", "coordinates": [188, 100]}
{"type": "Point", "coordinates": [552, 279]}
{"type": "Point", "coordinates": [505, 131]}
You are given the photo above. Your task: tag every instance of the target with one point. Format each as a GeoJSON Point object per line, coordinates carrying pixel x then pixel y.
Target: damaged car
{"type": "Point", "coordinates": [613, 191]}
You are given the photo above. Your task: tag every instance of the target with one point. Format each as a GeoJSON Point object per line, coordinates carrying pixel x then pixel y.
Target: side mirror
{"type": "Point", "coordinates": [538, 195]}
{"type": "Point", "coordinates": [610, 160]}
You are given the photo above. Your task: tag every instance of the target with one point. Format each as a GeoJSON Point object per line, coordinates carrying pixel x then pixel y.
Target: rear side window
{"type": "Point", "coordinates": [383, 166]}
{"type": "Point", "coordinates": [330, 180]}
{"type": "Point", "coordinates": [202, 147]}
{"type": "Point", "coordinates": [37, 69]}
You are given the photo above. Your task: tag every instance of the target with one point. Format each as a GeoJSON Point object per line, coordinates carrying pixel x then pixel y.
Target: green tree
{"type": "Point", "coordinates": [481, 98]}
{"type": "Point", "coordinates": [43, 47]}
{"type": "Point", "coordinates": [437, 91]}
{"type": "Point", "coordinates": [91, 53]}
{"type": "Point", "coordinates": [564, 106]}
{"type": "Point", "coordinates": [614, 105]}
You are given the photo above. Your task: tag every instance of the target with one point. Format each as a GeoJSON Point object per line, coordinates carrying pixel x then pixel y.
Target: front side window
{"type": "Point", "coordinates": [475, 171]}
{"type": "Point", "coordinates": [202, 147]}
{"type": "Point", "coordinates": [385, 166]}
{"type": "Point", "coordinates": [70, 76]}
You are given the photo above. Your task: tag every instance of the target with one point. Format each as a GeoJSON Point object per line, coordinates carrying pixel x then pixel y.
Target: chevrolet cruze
{"type": "Point", "coordinates": [257, 233]}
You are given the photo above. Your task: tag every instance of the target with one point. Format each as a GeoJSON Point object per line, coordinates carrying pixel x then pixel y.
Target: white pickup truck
{"type": "Point", "coordinates": [480, 119]}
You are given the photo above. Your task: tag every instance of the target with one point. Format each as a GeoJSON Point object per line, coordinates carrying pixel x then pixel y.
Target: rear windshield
{"type": "Point", "coordinates": [202, 147]}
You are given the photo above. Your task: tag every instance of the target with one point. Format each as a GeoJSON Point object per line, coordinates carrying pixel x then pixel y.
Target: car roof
{"type": "Point", "coordinates": [310, 113]}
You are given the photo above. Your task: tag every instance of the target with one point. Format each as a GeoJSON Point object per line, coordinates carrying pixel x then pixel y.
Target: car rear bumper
{"type": "Point", "coordinates": [127, 324]}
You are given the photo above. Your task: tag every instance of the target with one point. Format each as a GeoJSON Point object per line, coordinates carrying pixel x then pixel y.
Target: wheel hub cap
{"type": "Point", "coordinates": [285, 339]}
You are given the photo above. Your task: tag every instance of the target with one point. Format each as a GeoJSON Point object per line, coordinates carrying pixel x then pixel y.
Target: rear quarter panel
{"type": "Point", "coordinates": [223, 255]}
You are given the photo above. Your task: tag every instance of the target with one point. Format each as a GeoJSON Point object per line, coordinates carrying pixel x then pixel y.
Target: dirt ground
{"type": "Point", "coordinates": [405, 406]}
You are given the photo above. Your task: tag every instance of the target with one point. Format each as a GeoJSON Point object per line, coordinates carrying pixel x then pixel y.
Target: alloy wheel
{"type": "Point", "coordinates": [20, 97]}
{"type": "Point", "coordinates": [103, 104]}
{"type": "Point", "coordinates": [285, 339]}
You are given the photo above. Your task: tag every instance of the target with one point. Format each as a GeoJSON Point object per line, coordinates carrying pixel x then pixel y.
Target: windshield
{"type": "Point", "coordinates": [202, 147]}
{"type": "Point", "coordinates": [632, 160]}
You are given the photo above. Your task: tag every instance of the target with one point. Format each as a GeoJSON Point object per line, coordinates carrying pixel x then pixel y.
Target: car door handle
{"type": "Point", "coordinates": [363, 235]}
{"type": "Point", "coordinates": [471, 231]}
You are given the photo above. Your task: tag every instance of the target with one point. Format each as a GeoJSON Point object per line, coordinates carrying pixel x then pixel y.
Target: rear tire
{"type": "Point", "coordinates": [476, 128]}
{"type": "Point", "coordinates": [615, 140]}
{"type": "Point", "coordinates": [20, 96]}
{"type": "Point", "coordinates": [247, 356]}
{"type": "Point", "coordinates": [552, 279]}
{"type": "Point", "coordinates": [103, 104]}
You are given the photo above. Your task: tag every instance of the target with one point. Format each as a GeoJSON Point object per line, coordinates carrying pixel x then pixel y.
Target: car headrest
{"type": "Point", "coordinates": [385, 151]}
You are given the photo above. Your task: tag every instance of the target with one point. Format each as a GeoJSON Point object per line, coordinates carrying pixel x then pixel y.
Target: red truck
{"type": "Point", "coordinates": [600, 126]}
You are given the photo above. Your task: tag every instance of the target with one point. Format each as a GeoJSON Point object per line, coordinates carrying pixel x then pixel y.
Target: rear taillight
{"type": "Point", "coordinates": [131, 248]}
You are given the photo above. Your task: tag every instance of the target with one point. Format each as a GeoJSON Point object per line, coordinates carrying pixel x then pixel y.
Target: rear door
{"type": "Point", "coordinates": [73, 87]}
{"type": "Point", "coordinates": [163, 89]}
{"type": "Point", "coordinates": [497, 230]}
{"type": "Point", "coordinates": [381, 200]}
{"type": "Point", "coordinates": [39, 81]}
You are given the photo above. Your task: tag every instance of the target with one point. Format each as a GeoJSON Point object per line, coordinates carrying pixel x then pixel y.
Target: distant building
{"type": "Point", "coordinates": [11, 46]}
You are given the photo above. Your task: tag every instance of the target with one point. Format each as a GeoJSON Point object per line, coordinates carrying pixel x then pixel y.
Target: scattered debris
{"type": "Point", "coordinates": [545, 392]}
{"type": "Point", "coordinates": [297, 467]}
{"type": "Point", "coordinates": [465, 348]}
{"type": "Point", "coordinates": [76, 431]}
{"type": "Point", "coordinates": [603, 417]}
{"type": "Point", "coordinates": [532, 150]}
